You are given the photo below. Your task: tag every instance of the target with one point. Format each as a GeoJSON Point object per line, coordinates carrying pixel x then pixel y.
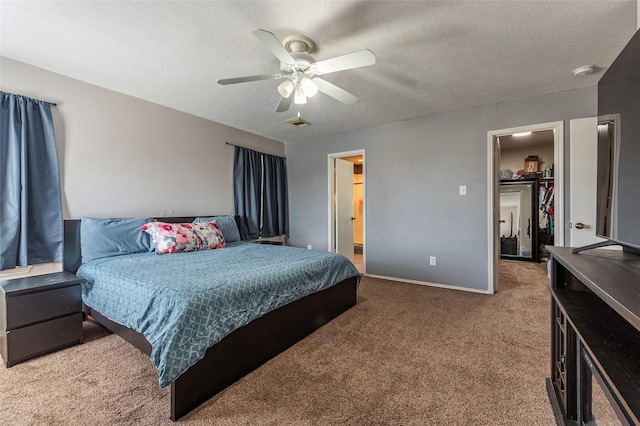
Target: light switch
{"type": "Point", "coordinates": [463, 189]}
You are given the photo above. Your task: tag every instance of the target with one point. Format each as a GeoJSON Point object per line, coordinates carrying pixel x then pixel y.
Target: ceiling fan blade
{"type": "Point", "coordinates": [274, 45]}
{"type": "Point", "coordinates": [335, 92]}
{"type": "Point", "coordinates": [225, 81]}
{"type": "Point", "coordinates": [349, 61]}
{"type": "Point", "coordinates": [284, 104]}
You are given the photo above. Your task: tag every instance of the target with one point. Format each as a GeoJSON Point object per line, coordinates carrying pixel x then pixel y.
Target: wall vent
{"type": "Point", "coordinates": [298, 122]}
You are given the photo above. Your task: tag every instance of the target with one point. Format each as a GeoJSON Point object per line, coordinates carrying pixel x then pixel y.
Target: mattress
{"type": "Point", "coordinates": [184, 303]}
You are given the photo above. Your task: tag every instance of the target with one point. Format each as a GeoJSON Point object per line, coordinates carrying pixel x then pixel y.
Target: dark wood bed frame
{"type": "Point", "coordinates": [238, 353]}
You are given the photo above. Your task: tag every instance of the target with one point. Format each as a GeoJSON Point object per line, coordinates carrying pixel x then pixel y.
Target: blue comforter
{"type": "Point", "coordinates": [184, 303]}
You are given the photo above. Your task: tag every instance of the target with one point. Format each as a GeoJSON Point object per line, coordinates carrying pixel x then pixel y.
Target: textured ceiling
{"type": "Point", "coordinates": [432, 57]}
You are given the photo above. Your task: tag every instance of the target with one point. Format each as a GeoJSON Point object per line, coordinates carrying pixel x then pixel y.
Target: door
{"type": "Point", "coordinates": [358, 204]}
{"type": "Point", "coordinates": [344, 208]}
{"type": "Point", "coordinates": [583, 147]}
{"type": "Point", "coordinates": [494, 236]}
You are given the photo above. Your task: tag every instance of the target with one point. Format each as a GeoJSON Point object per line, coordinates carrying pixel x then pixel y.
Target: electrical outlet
{"type": "Point", "coordinates": [309, 247]}
{"type": "Point", "coordinates": [432, 260]}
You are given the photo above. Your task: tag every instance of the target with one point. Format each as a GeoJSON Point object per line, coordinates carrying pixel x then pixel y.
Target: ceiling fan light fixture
{"type": "Point", "coordinates": [286, 88]}
{"type": "Point", "coordinates": [308, 87]}
{"type": "Point", "coordinates": [299, 98]}
{"type": "Point", "coordinates": [299, 70]}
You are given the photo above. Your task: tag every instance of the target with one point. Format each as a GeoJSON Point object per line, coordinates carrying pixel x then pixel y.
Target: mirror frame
{"type": "Point", "coordinates": [535, 191]}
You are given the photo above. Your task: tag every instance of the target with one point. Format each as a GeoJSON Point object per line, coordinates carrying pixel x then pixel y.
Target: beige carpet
{"type": "Point", "coordinates": [405, 355]}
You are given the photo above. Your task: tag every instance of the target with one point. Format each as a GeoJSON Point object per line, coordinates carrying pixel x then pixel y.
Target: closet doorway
{"type": "Point", "coordinates": [347, 216]}
{"type": "Point", "coordinates": [527, 161]}
{"type": "Point", "coordinates": [536, 153]}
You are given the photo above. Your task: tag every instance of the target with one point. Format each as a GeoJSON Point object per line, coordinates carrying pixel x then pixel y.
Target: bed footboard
{"type": "Point", "coordinates": [250, 346]}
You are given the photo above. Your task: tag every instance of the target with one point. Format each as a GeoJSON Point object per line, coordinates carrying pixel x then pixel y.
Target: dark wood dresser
{"type": "Point", "coordinates": [595, 337]}
{"type": "Point", "coordinates": [39, 314]}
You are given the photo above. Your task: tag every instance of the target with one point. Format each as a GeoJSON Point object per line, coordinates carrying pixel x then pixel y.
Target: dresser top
{"type": "Point", "coordinates": [29, 284]}
{"type": "Point", "coordinates": [613, 275]}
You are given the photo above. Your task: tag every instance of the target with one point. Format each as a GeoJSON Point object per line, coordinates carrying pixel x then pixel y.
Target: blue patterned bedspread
{"type": "Point", "coordinates": [184, 303]}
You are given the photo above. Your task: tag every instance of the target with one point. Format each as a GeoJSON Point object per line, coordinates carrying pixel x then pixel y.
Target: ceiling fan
{"type": "Point", "coordinates": [301, 72]}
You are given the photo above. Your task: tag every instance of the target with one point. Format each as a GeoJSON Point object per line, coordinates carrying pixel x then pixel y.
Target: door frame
{"type": "Point", "coordinates": [493, 185]}
{"type": "Point", "coordinates": [330, 195]}
{"type": "Point", "coordinates": [616, 162]}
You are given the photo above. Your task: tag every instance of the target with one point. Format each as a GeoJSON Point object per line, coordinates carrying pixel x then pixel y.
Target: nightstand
{"type": "Point", "coordinates": [39, 314]}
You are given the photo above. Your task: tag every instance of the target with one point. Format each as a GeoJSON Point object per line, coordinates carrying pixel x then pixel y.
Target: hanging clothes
{"type": "Point", "coordinates": [546, 197]}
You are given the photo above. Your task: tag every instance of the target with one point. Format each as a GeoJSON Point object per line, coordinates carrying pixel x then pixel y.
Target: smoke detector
{"type": "Point", "coordinates": [585, 70]}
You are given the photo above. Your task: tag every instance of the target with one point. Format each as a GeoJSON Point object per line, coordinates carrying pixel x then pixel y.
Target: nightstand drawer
{"type": "Point", "coordinates": [29, 342]}
{"type": "Point", "coordinates": [42, 305]}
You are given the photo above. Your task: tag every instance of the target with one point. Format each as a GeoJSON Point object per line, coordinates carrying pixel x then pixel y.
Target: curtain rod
{"type": "Point", "coordinates": [264, 153]}
{"type": "Point", "coordinates": [28, 97]}
{"type": "Point", "coordinates": [239, 146]}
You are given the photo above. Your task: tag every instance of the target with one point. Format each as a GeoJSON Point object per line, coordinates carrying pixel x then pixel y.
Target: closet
{"type": "Point", "coordinates": [527, 192]}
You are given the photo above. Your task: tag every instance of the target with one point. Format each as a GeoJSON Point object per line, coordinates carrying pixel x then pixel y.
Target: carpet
{"type": "Point", "coordinates": [404, 355]}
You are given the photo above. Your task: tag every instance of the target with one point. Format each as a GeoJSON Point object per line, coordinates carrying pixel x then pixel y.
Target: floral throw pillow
{"type": "Point", "coordinates": [183, 237]}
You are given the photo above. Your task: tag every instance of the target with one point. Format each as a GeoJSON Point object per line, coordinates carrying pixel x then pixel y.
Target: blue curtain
{"type": "Point", "coordinates": [247, 176]}
{"type": "Point", "coordinates": [260, 193]}
{"type": "Point", "coordinates": [30, 204]}
{"type": "Point", "coordinates": [274, 196]}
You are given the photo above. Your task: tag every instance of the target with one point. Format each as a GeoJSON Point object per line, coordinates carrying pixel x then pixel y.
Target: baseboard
{"type": "Point", "coordinates": [450, 287]}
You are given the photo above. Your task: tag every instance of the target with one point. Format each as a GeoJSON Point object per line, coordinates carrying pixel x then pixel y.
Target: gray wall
{"type": "Point", "coordinates": [122, 156]}
{"type": "Point", "coordinates": [413, 171]}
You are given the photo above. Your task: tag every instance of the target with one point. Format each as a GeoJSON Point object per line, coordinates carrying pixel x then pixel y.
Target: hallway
{"type": "Point", "coordinates": [358, 262]}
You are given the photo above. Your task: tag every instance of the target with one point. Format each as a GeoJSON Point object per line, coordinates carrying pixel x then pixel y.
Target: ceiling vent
{"type": "Point", "coordinates": [298, 121]}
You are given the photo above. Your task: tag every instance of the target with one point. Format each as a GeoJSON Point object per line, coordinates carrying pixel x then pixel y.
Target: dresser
{"type": "Point", "coordinates": [39, 314]}
{"type": "Point", "coordinates": [595, 337]}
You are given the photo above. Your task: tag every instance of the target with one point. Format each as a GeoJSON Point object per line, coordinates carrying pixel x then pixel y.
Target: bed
{"type": "Point", "coordinates": [270, 322]}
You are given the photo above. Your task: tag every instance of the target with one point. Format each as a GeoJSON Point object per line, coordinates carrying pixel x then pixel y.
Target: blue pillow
{"type": "Point", "coordinates": [227, 225]}
{"type": "Point", "coordinates": [112, 237]}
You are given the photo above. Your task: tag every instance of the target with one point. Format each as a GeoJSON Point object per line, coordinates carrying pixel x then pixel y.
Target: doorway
{"type": "Point", "coordinates": [494, 139]}
{"type": "Point", "coordinates": [347, 206]}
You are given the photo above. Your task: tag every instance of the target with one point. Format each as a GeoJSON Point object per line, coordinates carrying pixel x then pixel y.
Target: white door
{"type": "Point", "coordinates": [495, 184]}
{"type": "Point", "coordinates": [344, 208]}
{"type": "Point", "coordinates": [582, 192]}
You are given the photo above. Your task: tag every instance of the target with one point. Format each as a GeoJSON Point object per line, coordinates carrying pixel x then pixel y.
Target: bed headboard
{"type": "Point", "coordinates": [72, 255]}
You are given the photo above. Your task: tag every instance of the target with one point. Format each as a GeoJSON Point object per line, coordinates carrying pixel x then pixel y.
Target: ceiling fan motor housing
{"type": "Point", "coordinates": [302, 63]}
{"type": "Point", "coordinates": [298, 44]}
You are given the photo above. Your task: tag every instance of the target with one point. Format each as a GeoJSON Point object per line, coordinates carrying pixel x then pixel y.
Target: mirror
{"type": "Point", "coordinates": [518, 220]}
